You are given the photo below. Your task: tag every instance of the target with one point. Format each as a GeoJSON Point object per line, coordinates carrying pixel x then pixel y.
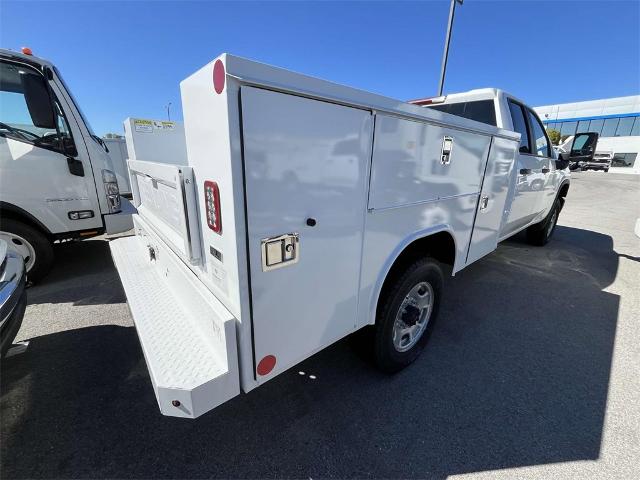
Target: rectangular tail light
{"type": "Point", "coordinates": [212, 206]}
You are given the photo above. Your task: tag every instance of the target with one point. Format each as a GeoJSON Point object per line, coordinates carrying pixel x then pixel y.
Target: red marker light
{"type": "Point", "coordinates": [218, 76]}
{"type": "Point", "coordinates": [428, 101]}
{"type": "Point", "coordinates": [26, 51]}
{"type": "Point", "coordinates": [266, 365]}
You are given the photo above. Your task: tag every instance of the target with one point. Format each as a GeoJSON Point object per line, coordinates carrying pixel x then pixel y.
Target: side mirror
{"type": "Point", "coordinates": [563, 161]}
{"type": "Point", "coordinates": [36, 96]}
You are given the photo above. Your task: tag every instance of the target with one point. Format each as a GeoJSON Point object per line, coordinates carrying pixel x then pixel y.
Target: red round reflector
{"type": "Point", "coordinates": [26, 51]}
{"type": "Point", "coordinates": [266, 365]}
{"type": "Point", "coordinates": [218, 76]}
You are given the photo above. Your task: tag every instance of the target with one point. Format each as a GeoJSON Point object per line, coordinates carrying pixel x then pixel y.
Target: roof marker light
{"type": "Point", "coordinates": [218, 76]}
{"type": "Point", "coordinates": [26, 51]}
{"type": "Point", "coordinates": [428, 101]}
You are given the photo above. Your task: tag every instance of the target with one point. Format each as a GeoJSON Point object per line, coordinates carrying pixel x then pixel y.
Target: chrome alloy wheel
{"type": "Point", "coordinates": [19, 245]}
{"type": "Point", "coordinates": [413, 316]}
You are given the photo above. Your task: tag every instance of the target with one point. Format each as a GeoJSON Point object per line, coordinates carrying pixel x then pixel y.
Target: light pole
{"type": "Point", "coordinates": [443, 70]}
{"type": "Point", "coordinates": [169, 111]}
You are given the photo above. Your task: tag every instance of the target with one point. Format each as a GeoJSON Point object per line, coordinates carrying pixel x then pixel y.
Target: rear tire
{"type": "Point", "coordinates": [606, 169]}
{"type": "Point", "coordinates": [407, 313]}
{"type": "Point", "coordinates": [540, 233]}
{"type": "Point", "coordinates": [31, 244]}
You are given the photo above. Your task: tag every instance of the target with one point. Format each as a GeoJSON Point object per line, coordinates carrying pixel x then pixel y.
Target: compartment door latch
{"type": "Point", "coordinates": [280, 251]}
{"type": "Point", "coordinates": [447, 146]}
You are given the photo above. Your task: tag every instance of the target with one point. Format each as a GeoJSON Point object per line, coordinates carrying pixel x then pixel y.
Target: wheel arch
{"type": "Point", "coordinates": [8, 210]}
{"type": "Point", "coordinates": [564, 189]}
{"type": "Point", "coordinates": [562, 193]}
{"type": "Point", "coordinates": [438, 243]}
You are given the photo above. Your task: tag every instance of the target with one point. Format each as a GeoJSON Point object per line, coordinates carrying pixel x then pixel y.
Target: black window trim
{"type": "Point", "coordinates": [525, 111]}
{"type": "Point", "coordinates": [439, 107]}
{"type": "Point", "coordinates": [52, 99]}
{"type": "Point", "coordinates": [526, 123]}
{"type": "Point", "coordinates": [544, 131]}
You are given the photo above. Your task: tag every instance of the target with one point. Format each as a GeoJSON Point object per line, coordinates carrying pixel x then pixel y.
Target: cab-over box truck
{"type": "Point", "coordinates": [56, 178]}
{"type": "Point", "coordinates": [307, 211]}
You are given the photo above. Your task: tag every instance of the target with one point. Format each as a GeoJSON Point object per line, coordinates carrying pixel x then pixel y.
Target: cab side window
{"type": "Point", "coordinates": [520, 126]}
{"type": "Point", "coordinates": [542, 143]}
{"type": "Point", "coordinates": [28, 113]}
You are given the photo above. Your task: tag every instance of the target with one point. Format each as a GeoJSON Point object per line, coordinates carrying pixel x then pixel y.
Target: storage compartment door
{"type": "Point", "coordinates": [306, 165]}
{"type": "Point", "coordinates": [495, 189]}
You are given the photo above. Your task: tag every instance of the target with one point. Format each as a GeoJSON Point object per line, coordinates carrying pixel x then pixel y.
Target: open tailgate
{"type": "Point", "coordinates": [188, 336]}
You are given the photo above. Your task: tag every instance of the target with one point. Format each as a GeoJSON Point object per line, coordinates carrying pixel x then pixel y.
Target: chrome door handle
{"type": "Point", "coordinates": [280, 251]}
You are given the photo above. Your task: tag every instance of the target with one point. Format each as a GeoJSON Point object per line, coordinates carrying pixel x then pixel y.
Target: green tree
{"type": "Point", "coordinates": [113, 135]}
{"type": "Point", "coordinates": [554, 136]}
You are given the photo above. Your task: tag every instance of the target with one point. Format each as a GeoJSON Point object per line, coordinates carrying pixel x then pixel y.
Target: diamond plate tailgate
{"type": "Point", "coordinates": [188, 337]}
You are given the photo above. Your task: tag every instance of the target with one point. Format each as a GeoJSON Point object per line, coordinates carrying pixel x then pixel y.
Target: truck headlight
{"type": "Point", "coordinates": [111, 189]}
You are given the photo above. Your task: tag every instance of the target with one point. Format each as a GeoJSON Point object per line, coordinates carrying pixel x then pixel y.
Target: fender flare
{"type": "Point", "coordinates": [393, 257]}
{"type": "Point", "coordinates": [566, 182]}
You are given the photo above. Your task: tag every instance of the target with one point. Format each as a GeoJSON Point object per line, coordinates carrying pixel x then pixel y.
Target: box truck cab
{"type": "Point", "coordinates": [56, 179]}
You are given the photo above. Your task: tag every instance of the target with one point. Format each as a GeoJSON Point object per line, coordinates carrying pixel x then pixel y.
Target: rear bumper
{"type": "Point", "coordinates": [598, 165]}
{"type": "Point", "coordinates": [187, 336]}
{"type": "Point", "coordinates": [13, 300]}
{"type": "Point", "coordinates": [122, 221]}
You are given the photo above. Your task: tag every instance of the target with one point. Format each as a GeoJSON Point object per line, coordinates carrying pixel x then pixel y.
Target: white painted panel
{"type": "Point", "coordinates": [495, 188]}
{"type": "Point", "coordinates": [407, 168]}
{"type": "Point", "coordinates": [164, 195]}
{"type": "Point", "coordinates": [304, 159]}
{"type": "Point", "coordinates": [155, 141]}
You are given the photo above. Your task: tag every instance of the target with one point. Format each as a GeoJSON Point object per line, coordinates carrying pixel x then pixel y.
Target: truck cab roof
{"type": "Point", "coordinates": [29, 59]}
{"type": "Point", "coordinates": [487, 93]}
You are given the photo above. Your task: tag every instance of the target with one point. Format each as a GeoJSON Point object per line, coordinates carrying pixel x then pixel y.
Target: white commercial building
{"type": "Point", "coordinates": [617, 121]}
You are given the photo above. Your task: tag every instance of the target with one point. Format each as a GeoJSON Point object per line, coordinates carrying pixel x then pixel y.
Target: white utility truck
{"type": "Point", "coordinates": [307, 211]}
{"type": "Point", "coordinates": [56, 179]}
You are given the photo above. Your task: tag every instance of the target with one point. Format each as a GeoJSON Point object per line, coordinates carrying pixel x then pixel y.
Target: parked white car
{"type": "Point", "coordinates": [308, 211]}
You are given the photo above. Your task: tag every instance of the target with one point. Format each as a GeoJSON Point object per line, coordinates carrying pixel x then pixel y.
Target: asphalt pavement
{"type": "Point", "coordinates": [533, 371]}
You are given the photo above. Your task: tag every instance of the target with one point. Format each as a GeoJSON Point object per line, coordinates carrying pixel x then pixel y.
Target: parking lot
{"type": "Point", "coordinates": [531, 373]}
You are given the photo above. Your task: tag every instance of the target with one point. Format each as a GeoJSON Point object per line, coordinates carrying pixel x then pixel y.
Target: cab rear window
{"type": "Point", "coordinates": [479, 110]}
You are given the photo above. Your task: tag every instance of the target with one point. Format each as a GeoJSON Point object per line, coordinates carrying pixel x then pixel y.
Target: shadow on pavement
{"type": "Point", "coordinates": [83, 274]}
{"type": "Point", "coordinates": [516, 374]}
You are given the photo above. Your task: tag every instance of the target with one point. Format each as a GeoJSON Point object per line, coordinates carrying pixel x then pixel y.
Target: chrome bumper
{"type": "Point", "coordinates": [13, 299]}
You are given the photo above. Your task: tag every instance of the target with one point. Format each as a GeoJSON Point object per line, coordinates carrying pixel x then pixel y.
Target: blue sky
{"type": "Point", "coordinates": [127, 58]}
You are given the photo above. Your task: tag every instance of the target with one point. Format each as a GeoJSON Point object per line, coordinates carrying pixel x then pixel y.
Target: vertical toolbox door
{"type": "Point", "coordinates": [306, 168]}
{"type": "Point", "coordinates": [490, 214]}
